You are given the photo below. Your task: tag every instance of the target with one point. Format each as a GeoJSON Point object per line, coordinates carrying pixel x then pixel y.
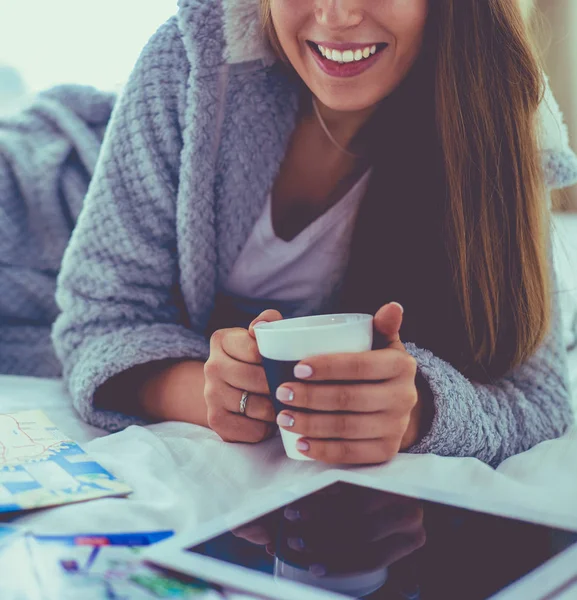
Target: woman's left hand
{"type": "Point", "coordinates": [366, 420]}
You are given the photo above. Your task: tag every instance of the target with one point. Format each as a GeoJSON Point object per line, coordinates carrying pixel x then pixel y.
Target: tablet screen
{"type": "Point", "coordinates": [365, 543]}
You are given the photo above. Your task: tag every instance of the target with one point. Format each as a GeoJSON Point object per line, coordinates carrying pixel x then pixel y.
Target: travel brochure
{"type": "Point", "coordinates": [91, 567]}
{"type": "Point", "coordinates": [41, 467]}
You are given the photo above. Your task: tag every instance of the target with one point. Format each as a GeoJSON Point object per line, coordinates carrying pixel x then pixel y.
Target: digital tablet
{"type": "Point", "coordinates": [336, 536]}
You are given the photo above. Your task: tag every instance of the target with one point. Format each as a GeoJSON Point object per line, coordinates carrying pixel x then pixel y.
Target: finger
{"type": "Point", "coordinates": [236, 428]}
{"type": "Point", "coordinates": [358, 397]}
{"type": "Point", "coordinates": [307, 507]}
{"type": "Point", "coordinates": [396, 547]}
{"type": "Point", "coordinates": [387, 323]}
{"type": "Point", "coordinates": [368, 516]}
{"type": "Point", "coordinates": [221, 395]}
{"type": "Point", "coordinates": [236, 374]}
{"type": "Point", "coordinates": [368, 503]}
{"type": "Point", "coordinates": [354, 557]}
{"type": "Point", "coordinates": [344, 426]}
{"type": "Point", "coordinates": [349, 452]}
{"type": "Point", "coordinates": [238, 344]}
{"type": "Point", "coordinates": [257, 407]}
{"type": "Point", "coordinates": [405, 518]}
{"type": "Point", "coordinates": [256, 534]}
{"type": "Point", "coordinates": [380, 501]}
{"type": "Point", "coordinates": [353, 525]}
{"type": "Point", "coordinates": [375, 365]}
{"type": "Point", "coordinates": [268, 316]}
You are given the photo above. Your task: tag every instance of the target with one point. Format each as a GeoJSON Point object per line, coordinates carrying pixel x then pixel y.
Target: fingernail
{"type": "Point", "coordinates": [317, 570]}
{"type": "Point", "coordinates": [296, 544]}
{"type": "Point", "coordinates": [292, 514]}
{"type": "Point", "coordinates": [303, 446]}
{"type": "Point", "coordinates": [303, 371]}
{"type": "Point", "coordinates": [399, 305]}
{"type": "Point", "coordinates": [285, 420]}
{"type": "Point", "coordinates": [285, 394]}
{"type": "Point", "coordinates": [258, 323]}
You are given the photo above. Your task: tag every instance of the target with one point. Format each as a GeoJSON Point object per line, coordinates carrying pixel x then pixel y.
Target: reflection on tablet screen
{"type": "Point", "coordinates": [369, 544]}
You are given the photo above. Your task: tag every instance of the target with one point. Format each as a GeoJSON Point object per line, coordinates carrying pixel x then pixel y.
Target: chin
{"type": "Point", "coordinates": [346, 103]}
{"type": "Point", "coordinates": [352, 98]}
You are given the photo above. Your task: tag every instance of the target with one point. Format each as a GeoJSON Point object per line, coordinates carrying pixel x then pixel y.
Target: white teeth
{"type": "Point", "coordinates": [347, 56]}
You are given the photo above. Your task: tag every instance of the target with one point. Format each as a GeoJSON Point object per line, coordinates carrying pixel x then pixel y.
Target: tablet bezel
{"type": "Point", "coordinates": [173, 553]}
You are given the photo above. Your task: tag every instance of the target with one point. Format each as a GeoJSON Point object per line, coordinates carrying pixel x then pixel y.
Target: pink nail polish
{"type": "Point", "coordinates": [285, 420]}
{"type": "Point", "coordinates": [400, 306]}
{"type": "Point", "coordinates": [317, 570]}
{"type": "Point", "coordinates": [292, 514]}
{"type": "Point", "coordinates": [285, 394]}
{"type": "Point", "coordinates": [303, 446]}
{"type": "Point", "coordinates": [303, 371]}
{"type": "Point", "coordinates": [296, 544]}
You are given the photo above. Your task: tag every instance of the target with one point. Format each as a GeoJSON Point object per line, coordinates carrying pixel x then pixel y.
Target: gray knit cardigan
{"type": "Point", "coordinates": [192, 150]}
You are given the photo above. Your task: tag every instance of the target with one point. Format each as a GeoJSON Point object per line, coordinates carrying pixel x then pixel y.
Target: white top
{"type": "Point", "coordinates": [272, 269]}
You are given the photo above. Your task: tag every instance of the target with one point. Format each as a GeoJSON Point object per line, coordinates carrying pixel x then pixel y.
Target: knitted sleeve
{"type": "Point", "coordinates": [118, 289]}
{"type": "Point", "coordinates": [492, 422]}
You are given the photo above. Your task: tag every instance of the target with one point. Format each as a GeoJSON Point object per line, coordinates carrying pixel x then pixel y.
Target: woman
{"type": "Point", "coordinates": [363, 154]}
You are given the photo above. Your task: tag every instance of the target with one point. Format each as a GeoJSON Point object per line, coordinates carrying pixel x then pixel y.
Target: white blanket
{"type": "Point", "coordinates": [182, 474]}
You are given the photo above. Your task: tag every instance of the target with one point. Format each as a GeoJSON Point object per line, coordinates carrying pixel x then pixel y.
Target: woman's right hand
{"type": "Point", "coordinates": [235, 366]}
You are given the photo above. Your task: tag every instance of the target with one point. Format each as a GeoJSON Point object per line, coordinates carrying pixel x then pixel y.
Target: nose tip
{"type": "Point", "coordinates": [338, 16]}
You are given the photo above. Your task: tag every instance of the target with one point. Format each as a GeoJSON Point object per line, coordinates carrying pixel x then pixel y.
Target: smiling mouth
{"type": "Point", "coordinates": [351, 55]}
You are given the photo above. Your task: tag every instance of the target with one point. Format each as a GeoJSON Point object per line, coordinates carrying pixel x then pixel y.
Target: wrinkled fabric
{"type": "Point", "coordinates": [170, 466]}
{"type": "Point", "coordinates": [47, 157]}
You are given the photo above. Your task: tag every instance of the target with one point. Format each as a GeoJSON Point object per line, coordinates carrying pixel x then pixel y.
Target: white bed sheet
{"type": "Point", "coordinates": [182, 474]}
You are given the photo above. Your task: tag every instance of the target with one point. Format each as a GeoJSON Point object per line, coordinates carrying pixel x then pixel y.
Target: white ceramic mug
{"type": "Point", "coordinates": [283, 344]}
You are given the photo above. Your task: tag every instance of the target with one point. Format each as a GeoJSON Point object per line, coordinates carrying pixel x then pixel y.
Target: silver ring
{"type": "Point", "coordinates": [243, 401]}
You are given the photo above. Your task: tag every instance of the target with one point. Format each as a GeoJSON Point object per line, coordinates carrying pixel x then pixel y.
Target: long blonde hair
{"type": "Point", "coordinates": [455, 223]}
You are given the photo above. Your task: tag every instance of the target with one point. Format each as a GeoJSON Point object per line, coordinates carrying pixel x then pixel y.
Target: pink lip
{"type": "Point", "coordinates": [351, 69]}
{"type": "Point", "coordinates": [346, 46]}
